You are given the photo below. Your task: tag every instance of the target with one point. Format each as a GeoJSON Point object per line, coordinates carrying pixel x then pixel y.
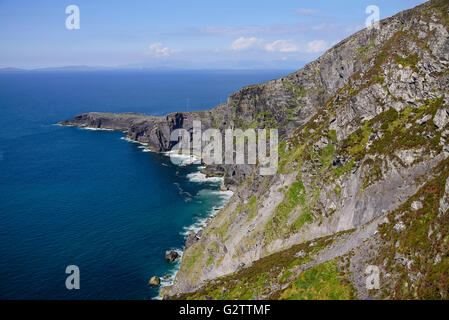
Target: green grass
{"type": "Point", "coordinates": [193, 256]}
{"type": "Point", "coordinates": [304, 217]}
{"type": "Point", "coordinates": [359, 139]}
{"type": "Point", "coordinates": [295, 196]}
{"type": "Point", "coordinates": [408, 61]}
{"type": "Point", "coordinates": [333, 136]}
{"type": "Point", "coordinates": [264, 276]}
{"type": "Point", "coordinates": [327, 155]}
{"type": "Point", "coordinates": [252, 207]}
{"type": "Point", "coordinates": [222, 230]}
{"type": "Point", "coordinates": [373, 173]}
{"type": "Point", "coordinates": [337, 190]}
{"type": "Point", "coordinates": [321, 282]}
{"type": "Point", "coordinates": [339, 171]}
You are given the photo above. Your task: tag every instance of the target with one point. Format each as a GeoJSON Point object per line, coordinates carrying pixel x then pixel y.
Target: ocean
{"type": "Point", "coordinates": [89, 198]}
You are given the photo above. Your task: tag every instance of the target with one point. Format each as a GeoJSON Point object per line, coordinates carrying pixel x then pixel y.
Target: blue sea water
{"type": "Point", "coordinates": [89, 198]}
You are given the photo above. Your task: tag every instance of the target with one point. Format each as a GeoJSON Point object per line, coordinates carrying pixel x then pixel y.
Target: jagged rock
{"type": "Point", "coordinates": [441, 118]}
{"type": "Point", "coordinates": [408, 156]}
{"type": "Point", "coordinates": [437, 259]}
{"type": "Point", "coordinates": [339, 162]}
{"type": "Point", "coordinates": [402, 260]}
{"type": "Point", "coordinates": [155, 281]}
{"type": "Point", "coordinates": [444, 201]}
{"type": "Point", "coordinates": [192, 237]}
{"type": "Point", "coordinates": [171, 255]}
{"type": "Point", "coordinates": [424, 119]}
{"type": "Point", "coordinates": [399, 227]}
{"type": "Point", "coordinates": [323, 142]}
{"type": "Point", "coordinates": [167, 276]}
{"type": "Point", "coordinates": [416, 205]}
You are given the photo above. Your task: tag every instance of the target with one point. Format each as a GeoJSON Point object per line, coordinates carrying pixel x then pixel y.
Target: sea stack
{"type": "Point", "coordinates": [171, 255]}
{"type": "Point", "coordinates": [155, 281]}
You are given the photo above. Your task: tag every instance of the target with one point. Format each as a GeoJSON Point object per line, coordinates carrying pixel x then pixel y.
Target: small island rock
{"type": "Point", "coordinates": [171, 255]}
{"type": "Point", "coordinates": [155, 281]}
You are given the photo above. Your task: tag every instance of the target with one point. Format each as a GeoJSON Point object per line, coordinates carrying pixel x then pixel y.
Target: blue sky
{"type": "Point", "coordinates": [180, 33]}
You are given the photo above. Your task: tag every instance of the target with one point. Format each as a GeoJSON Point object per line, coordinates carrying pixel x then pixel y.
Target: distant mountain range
{"type": "Point", "coordinates": [176, 66]}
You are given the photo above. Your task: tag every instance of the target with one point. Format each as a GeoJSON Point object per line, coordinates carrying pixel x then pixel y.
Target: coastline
{"type": "Point", "coordinates": [223, 196]}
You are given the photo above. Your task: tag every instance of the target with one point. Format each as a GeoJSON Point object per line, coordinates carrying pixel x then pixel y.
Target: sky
{"type": "Point", "coordinates": [187, 34]}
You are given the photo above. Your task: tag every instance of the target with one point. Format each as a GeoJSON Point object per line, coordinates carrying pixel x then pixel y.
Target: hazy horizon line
{"type": "Point", "coordinates": [130, 68]}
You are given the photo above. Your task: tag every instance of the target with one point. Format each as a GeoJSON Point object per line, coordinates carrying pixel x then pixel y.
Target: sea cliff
{"type": "Point", "coordinates": [362, 179]}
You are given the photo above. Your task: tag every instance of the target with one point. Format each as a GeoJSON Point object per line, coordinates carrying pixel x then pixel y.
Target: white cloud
{"type": "Point", "coordinates": [282, 46]}
{"type": "Point", "coordinates": [279, 46]}
{"type": "Point", "coordinates": [306, 11]}
{"type": "Point", "coordinates": [312, 29]}
{"type": "Point", "coordinates": [243, 43]}
{"type": "Point", "coordinates": [158, 50]}
{"type": "Point", "coordinates": [316, 46]}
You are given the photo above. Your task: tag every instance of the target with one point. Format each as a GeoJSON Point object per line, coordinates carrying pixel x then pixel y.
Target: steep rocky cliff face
{"type": "Point", "coordinates": [372, 137]}
{"type": "Point", "coordinates": [362, 178]}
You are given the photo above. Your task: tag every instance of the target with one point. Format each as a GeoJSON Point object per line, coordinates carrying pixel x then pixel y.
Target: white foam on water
{"type": "Point", "coordinates": [96, 129]}
{"type": "Point", "coordinates": [195, 227]}
{"type": "Point", "coordinates": [199, 224]}
{"type": "Point", "coordinates": [223, 195]}
{"type": "Point", "coordinates": [202, 178]}
{"type": "Point", "coordinates": [172, 272]}
{"type": "Point", "coordinates": [128, 139]}
{"type": "Point", "coordinates": [142, 144]}
{"type": "Point", "coordinates": [182, 160]}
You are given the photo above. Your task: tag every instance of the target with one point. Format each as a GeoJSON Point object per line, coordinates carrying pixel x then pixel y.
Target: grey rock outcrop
{"type": "Point", "coordinates": [171, 255]}
{"type": "Point", "coordinates": [155, 281]}
{"type": "Point", "coordinates": [441, 118]}
{"type": "Point", "coordinates": [192, 237]}
{"type": "Point", "coordinates": [444, 201]}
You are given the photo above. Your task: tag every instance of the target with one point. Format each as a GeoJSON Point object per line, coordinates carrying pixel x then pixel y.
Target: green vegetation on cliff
{"type": "Point", "coordinates": [371, 143]}
{"type": "Point", "coordinates": [269, 277]}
